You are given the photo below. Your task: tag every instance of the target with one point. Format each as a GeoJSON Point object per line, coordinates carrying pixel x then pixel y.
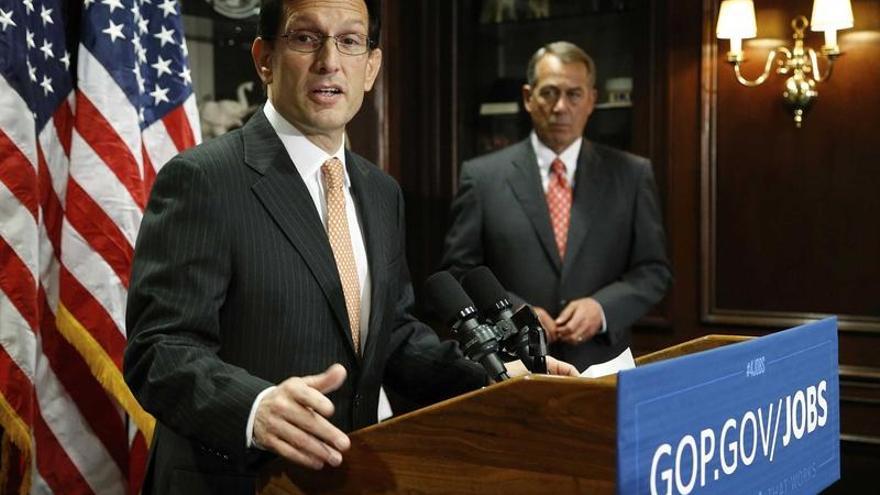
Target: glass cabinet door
{"type": "Point", "coordinates": [496, 40]}
{"type": "Point", "coordinates": [219, 34]}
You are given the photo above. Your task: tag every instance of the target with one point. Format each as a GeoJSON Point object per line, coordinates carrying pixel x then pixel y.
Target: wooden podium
{"type": "Point", "coordinates": [531, 434]}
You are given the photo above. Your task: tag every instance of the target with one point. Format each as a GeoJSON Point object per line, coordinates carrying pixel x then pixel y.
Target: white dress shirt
{"type": "Point", "coordinates": [545, 156]}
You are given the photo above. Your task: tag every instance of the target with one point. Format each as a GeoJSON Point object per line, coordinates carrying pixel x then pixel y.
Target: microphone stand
{"type": "Point", "coordinates": [526, 320]}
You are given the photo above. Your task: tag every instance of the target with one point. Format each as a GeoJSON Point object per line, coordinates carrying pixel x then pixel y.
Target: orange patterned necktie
{"type": "Point", "coordinates": [559, 204]}
{"type": "Point", "coordinates": [340, 242]}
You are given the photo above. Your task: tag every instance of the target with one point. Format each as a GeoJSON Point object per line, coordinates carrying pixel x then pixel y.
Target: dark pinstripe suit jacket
{"type": "Point", "coordinates": [616, 249]}
{"type": "Point", "coordinates": [234, 288]}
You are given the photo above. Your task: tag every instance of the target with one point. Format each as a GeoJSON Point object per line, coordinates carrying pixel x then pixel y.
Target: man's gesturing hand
{"type": "Point", "coordinates": [291, 420]}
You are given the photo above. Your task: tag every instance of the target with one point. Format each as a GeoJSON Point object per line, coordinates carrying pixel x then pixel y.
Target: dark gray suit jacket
{"type": "Point", "coordinates": [616, 250]}
{"type": "Point", "coordinates": [234, 288]}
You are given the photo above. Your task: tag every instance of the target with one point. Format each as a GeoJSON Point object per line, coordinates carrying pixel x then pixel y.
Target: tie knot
{"type": "Point", "coordinates": [333, 174]}
{"type": "Point", "coordinates": [557, 167]}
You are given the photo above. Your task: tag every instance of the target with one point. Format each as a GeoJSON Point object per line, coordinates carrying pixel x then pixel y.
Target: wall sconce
{"type": "Point", "coordinates": [736, 21]}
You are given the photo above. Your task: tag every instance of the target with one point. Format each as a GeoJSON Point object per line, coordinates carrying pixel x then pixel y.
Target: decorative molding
{"type": "Point", "coordinates": [864, 374]}
{"type": "Point", "coordinates": [780, 319]}
{"type": "Point", "coordinates": [860, 394]}
{"type": "Point", "coordinates": [708, 115]}
{"type": "Point", "coordinates": [861, 439]}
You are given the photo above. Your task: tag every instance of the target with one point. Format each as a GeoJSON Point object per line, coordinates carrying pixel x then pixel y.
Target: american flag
{"type": "Point", "coordinates": [78, 154]}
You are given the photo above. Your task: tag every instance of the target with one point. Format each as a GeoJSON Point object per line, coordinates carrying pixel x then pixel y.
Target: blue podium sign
{"type": "Point", "coordinates": [758, 417]}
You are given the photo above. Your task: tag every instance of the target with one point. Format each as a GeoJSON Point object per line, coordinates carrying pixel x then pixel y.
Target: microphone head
{"type": "Point", "coordinates": [487, 292]}
{"type": "Point", "coordinates": [450, 300]}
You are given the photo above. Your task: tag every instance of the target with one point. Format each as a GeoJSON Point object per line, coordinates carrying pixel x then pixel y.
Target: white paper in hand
{"type": "Point", "coordinates": [624, 361]}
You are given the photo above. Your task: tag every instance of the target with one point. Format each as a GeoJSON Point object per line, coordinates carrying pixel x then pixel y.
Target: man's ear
{"type": "Point", "coordinates": [374, 63]}
{"type": "Point", "coordinates": [261, 52]}
{"type": "Point", "coordinates": [527, 97]}
{"type": "Point", "coordinates": [591, 101]}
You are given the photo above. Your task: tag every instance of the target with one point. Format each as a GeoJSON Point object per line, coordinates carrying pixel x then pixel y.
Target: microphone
{"type": "Point", "coordinates": [521, 334]}
{"type": "Point", "coordinates": [478, 340]}
{"type": "Point", "coordinates": [491, 301]}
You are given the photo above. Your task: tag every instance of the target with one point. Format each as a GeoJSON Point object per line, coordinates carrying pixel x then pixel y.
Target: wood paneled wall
{"type": "Point", "coordinates": [789, 224]}
{"type": "Point", "coordinates": [788, 212]}
{"type": "Point", "coordinates": [768, 225]}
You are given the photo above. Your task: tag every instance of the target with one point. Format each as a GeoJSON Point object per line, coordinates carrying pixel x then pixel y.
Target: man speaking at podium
{"type": "Point", "coordinates": [270, 295]}
{"type": "Point", "coordinates": [569, 226]}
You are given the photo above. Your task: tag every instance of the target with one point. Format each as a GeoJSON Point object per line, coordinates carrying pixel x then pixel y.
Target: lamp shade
{"type": "Point", "coordinates": [831, 15]}
{"type": "Point", "coordinates": [736, 20]}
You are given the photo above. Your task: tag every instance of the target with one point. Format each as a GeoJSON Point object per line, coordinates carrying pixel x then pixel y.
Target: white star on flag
{"type": "Point", "coordinates": [66, 60]}
{"type": "Point", "coordinates": [113, 4]}
{"type": "Point", "coordinates": [29, 4]}
{"type": "Point", "coordinates": [47, 50]}
{"type": "Point", "coordinates": [136, 41]}
{"type": "Point", "coordinates": [47, 86]}
{"type": "Point", "coordinates": [167, 8]}
{"type": "Point", "coordinates": [114, 30]}
{"type": "Point", "coordinates": [46, 14]}
{"type": "Point", "coordinates": [162, 66]}
{"type": "Point", "coordinates": [32, 71]}
{"type": "Point", "coordinates": [6, 19]}
{"type": "Point", "coordinates": [139, 78]}
{"type": "Point", "coordinates": [165, 36]}
{"type": "Point", "coordinates": [159, 94]}
{"type": "Point", "coordinates": [30, 38]}
{"type": "Point", "coordinates": [185, 75]}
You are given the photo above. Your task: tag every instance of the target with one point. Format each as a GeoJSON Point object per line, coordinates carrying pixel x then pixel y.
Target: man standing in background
{"type": "Point", "coordinates": [571, 227]}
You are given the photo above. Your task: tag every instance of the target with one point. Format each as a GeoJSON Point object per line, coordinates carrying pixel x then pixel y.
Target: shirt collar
{"type": "Point", "coordinates": [545, 156]}
{"type": "Point", "coordinates": [307, 157]}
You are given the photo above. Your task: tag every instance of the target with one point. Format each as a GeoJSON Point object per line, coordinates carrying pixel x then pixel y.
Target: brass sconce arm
{"type": "Point", "coordinates": [768, 66]}
{"type": "Point", "coordinates": [814, 63]}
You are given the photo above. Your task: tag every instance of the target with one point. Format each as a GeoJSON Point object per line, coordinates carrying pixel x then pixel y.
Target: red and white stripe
{"type": "Point", "coordinates": [19, 263]}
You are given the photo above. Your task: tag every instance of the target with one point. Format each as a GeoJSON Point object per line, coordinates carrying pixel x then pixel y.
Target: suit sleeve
{"type": "Point", "coordinates": [180, 275]}
{"type": "Point", "coordinates": [648, 275]}
{"type": "Point", "coordinates": [463, 248]}
{"type": "Point", "coordinates": [421, 367]}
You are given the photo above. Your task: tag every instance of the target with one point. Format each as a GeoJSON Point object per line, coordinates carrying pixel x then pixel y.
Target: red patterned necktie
{"type": "Point", "coordinates": [340, 242]}
{"type": "Point", "coordinates": [559, 204]}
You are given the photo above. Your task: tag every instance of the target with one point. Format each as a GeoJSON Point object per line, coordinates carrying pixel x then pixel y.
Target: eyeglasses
{"type": "Point", "coordinates": [310, 42]}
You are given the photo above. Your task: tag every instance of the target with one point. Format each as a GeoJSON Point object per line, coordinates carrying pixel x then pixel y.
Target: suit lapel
{"type": "Point", "coordinates": [588, 187]}
{"type": "Point", "coordinates": [526, 184]}
{"type": "Point", "coordinates": [286, 199]}
{"type": "Point", "coordinates": [369, 207]}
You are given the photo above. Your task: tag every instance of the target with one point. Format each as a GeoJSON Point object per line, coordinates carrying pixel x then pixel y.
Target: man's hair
{"type": "Point", "coordinates": [567, 53]}
{"type": "Point", "coordinates": [272, 12]}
